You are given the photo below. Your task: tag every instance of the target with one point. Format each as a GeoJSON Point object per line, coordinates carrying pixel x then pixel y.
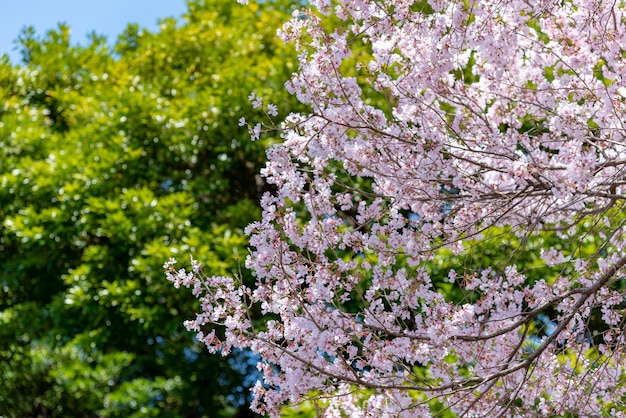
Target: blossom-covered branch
{"type": "Point", "coordinates": [445, 229]}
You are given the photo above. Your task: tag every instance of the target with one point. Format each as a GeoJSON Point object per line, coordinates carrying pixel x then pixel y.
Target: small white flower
{"type": "Point", "coordinates": [256, 132]}
{"type": "Point", "coordinates": [272, 110]}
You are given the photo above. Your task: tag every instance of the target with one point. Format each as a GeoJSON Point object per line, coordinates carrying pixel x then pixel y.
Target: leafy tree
{"type": "Point", "coordinates": [446, 234]}
{"type": "Point", "coordinates": [113, 161]}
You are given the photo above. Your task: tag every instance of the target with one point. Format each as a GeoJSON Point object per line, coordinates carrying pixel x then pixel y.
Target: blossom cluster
{"type": "Point", "coordinates": [439, 130]}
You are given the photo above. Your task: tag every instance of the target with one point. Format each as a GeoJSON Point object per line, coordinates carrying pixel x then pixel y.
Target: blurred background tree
{"type": "Point", "coordinates": [115, 159]}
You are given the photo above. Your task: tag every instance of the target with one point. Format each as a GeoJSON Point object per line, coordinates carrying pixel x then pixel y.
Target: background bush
{"type": "Point", "coordinates": [115, 159]}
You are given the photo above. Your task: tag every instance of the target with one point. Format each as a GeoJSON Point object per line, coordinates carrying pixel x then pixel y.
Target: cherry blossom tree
{"type": "Point", "coordinates": [444, 231]}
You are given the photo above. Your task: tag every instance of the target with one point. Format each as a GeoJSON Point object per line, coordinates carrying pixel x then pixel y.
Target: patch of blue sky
{"type": "Point", "coordinates": [108, 18]}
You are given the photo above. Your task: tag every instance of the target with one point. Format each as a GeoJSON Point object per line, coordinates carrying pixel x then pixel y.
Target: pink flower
{"type": "Point", "coordinates": [445, 220]}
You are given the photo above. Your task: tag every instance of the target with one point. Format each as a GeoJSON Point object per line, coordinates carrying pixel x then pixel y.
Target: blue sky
{"type": "Point", "coordinates": [106, 17]}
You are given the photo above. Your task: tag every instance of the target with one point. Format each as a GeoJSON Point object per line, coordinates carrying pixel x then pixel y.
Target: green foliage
{"type": "Point", "coordinates": [113, 161]}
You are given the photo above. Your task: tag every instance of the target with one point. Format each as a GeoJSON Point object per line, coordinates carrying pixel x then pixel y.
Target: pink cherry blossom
{"type": "Point", "coordinates": [446, 230]}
